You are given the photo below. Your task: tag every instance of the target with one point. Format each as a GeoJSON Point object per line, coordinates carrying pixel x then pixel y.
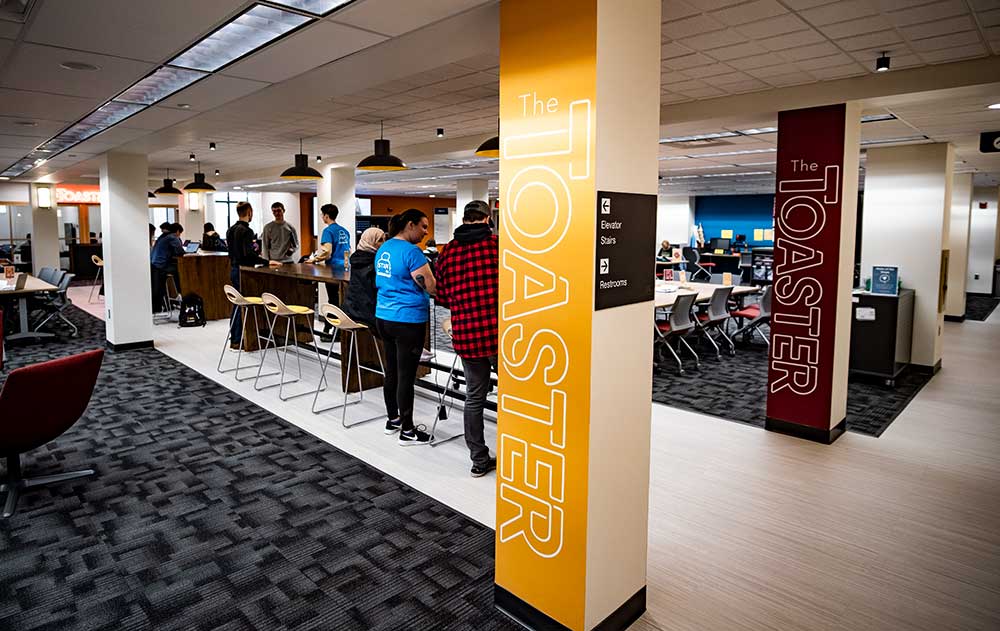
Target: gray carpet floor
{"type": "Point", "coordinates": [208, 512]}
{"type": "Point", "coordinates": [979, 306]}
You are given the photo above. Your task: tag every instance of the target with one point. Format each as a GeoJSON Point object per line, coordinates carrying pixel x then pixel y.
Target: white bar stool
{"type": "Point", "coordinates": [279, 309]}
{"type": "Point", "coordinates": [442, 412]}
{"type": "Point", "coordinates": [99, 262]}
{"type": "Point", "coordinates": [340, 321]}
{"type": "Point", "coordinates": [241, 305]}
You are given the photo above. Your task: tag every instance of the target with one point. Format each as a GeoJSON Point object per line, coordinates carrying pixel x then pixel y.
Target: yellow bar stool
{"type": "Point", "coordinates": [242, 304]}
{"type": "Point", "coordinates": [99, 262]}
{"type": "Point", "coordinates": [341, 322]}
{"type": "Point", "coordinates": [290, 313]}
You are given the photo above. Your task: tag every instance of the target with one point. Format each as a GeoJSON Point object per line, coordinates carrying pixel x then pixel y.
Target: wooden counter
{"type": "Point", "coordinates": [295, 284]}
{"type": "Point", "coordinates": [205, 273]}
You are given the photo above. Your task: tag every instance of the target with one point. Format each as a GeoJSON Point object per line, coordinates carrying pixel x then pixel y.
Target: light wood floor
{"type": "Point", "coordinates": [755, 531]}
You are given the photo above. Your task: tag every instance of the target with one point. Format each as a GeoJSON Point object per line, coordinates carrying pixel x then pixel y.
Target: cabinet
{"type": "Point", "coordinates": [881, 334]}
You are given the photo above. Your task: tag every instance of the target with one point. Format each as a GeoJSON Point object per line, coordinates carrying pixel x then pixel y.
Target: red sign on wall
{"type": "Point", "coordinates": [807, 220]}
{"type": "Point", "coordinates": [78, 194]}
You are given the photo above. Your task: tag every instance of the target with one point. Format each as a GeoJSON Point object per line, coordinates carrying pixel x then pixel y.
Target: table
{"type": "Point", "coordinates": [206, 273]}
{"type": "Point", "coordinates": [663, 299]}
{"type": "Point", "coordinates": [294, 283]}
{"type": "Point", "coordinates": [723, 262]}
{"type": "Point", "coordinates": [31, 287]}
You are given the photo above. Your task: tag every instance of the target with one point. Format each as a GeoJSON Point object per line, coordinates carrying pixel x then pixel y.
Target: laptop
{"type": "Point", "coordinates": [191, 247]}
{"type": "Point", "coordinates": [18, 284]}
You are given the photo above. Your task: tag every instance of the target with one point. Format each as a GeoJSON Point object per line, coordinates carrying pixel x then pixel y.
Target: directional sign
{"type": "Point", "coordinates": [626, 232]}
{"type": "Point", "coordinates": [989, 142]}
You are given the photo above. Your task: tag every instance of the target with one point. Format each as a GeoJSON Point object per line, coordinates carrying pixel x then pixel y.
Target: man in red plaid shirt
{"type": "Point", "coordinates": [467, 285]}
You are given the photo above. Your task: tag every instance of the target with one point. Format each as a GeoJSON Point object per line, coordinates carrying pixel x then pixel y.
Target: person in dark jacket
{"type": "Point", "coordinates": [361, 292]}
{"type": "Point", "coordinates": [241, 240]}
{"type": "Point", "coordinates": [468, 285]}
{"type": "Point", "coordinates": [163, 260]}
{"type": "Point", "coordinates": [210, 240]}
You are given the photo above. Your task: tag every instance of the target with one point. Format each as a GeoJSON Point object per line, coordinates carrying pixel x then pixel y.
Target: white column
{"type": "Point", "coordinates": [958, 245]}
{"type": "Point", "coordinates": [906, 218]}
{"type": "Point", "coordinates": [337, 188]}
{"type": "Point", "coordinates": [124, 222]}
{"type": "Point", "coordinates": [983, 231]}
{"type": "Point", "coordinates": [44, 228]}
{"type": "Point", "coordinates": [465, 192]}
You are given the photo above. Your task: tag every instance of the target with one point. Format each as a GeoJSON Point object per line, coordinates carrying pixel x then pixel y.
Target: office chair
{"type": "Point", "coordinates": [715, 319]}
{"type": "Point", "coordinates": [678, 325]}
{"type": "Point", "coordinates": [57, 302]}
{"type": "Point", "coordinates": [693, 258]}
{"type": "Point", "coordinates": [19, 400]}
{"type": "Point", "coordinates": [758, 315]}
{"type": "Point", "coordinates": [46, 274]}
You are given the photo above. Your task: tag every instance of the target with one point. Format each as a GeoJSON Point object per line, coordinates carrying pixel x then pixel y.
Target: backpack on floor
{"type": "Point", "coordinates": [192, 311]}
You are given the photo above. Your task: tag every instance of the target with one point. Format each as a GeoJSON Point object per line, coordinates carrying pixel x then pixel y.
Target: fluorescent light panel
{"type": "Point", "coordinates": [160, 85]}
{"type": "Point", "coordinates": [756, 131]}
{"type": "Point", "coordinates": [316, 7]}
{"type": "Point", "coordinates": [887, 141]}
{"type": "Point", "coordinates": [253, 29]}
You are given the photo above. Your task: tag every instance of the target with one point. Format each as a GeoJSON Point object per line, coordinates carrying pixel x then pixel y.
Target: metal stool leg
{"type": "Point", "coordinates": [298, 360]}
{"type": "Point", "coordinates": [434, 440]}
{"type": "Point", "coordinates": [97, 279]}
{"type": "Point", "coordinates": [697, 361]}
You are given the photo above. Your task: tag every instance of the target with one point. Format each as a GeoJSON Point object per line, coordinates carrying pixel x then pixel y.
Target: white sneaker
{"type": "Point", "coordinates": [426, 355]}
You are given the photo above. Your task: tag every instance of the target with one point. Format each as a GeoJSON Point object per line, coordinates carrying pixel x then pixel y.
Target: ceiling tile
{"type": "Point", "coordinates": [156, 118]}
{"type": "Point", "coordinates": [32, 105]}
{"type": "Point", "coordinates": [839, 59]}
{"type": "Point", "coordinates": [9, 30]}
{"type": "Point", "coordinates": [839, 72]}
{"type": "Point", "coordinates": [851, 28]}
{"type": "Point", "coordinates": [953, 40]}
{"type": "Point", "coordinates": [694, 25]}
{"type": "Point", "coordinates": [773, 26]}
{"type": "Point", "coordinates": [712, 5]}
{"type": "Point", "coordinates": [824, 49]}
{"type": "Point", "coordinates": [715, 39]}
{"type": "Point", "coordinates": [772, 71]}
{"type": "Point", "coordinates": [673, 49]}
{"type": "Point", "coordinates": [939, 27]}
{"type": "Point", "coordinates": [688, 61]}
{"type": "Point", "coordinates": [703, 72]}
{"type": "Point", "coordinates": [791, 78]}
{"type": "Point", "coordinates": [883, 40]}
{"type": "Point", "coordinates": [739, 51]}
{"type": "Point", "coordinates": [214, 91]}
{"type": "Point", "coordinates": [802, 5]}
{"type": "Point", "coordinates": [676, 9]}
{"type": "Point", "coordinates": [943, 55]}
{"type": "Point", "coordinates": [989, 18]}
{"type": "Point", "coordinates": [391, 17]}
{"type": "Point", "coordinates": [928, 12]}
{"type": "Point", "coordinates": [316, 45]}
{"type": "Point", "coordinates": [707, 92]}
{"type": "Point", "coordinates": [35, 67]}
{"type": "Point", "coordinates": [756, 61]}
{"type": "Point", "coordinates": [151, 32]}
{"type": "Point", "coordinates": [838, 12]}
{"type": "Point", "coordinates": [791, 40]}
{"type": "Point", "coordinates": [749, 12]}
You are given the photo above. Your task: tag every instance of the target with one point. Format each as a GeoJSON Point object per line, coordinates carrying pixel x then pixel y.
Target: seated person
{"type": "Point", "coordinates": [211, 241]}
{"type": "Point", "coordinates": [359, 303]}
{"type": "Point", "coordinates": [163, 260]}
{"type": "Point", "coordinates": [665, 250]}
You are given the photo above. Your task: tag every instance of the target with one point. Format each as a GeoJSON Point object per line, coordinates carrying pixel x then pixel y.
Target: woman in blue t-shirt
{"type": "Point", "coordinates": [404, 281]}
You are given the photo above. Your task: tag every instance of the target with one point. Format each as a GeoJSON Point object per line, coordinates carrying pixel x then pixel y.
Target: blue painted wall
{"type": "Point", "coordinates": [739, 213]}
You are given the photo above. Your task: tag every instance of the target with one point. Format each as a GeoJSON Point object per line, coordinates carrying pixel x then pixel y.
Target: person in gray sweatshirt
{"type": "Point", "coordinates": [279, 239]}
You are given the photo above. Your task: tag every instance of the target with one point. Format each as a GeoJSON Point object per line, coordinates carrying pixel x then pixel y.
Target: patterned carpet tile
{"type": "Point", "coordinates": [979, 307]}
{"type": "Point", "coordinates": [207, 512]}
{"type": "Point", "coordinates": [735, 388]}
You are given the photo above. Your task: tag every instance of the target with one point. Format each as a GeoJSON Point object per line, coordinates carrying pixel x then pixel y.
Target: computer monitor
{"type": "Point", "coordinates": [191, 247]}
{"type": "Point", "coordinates": [718, 243]}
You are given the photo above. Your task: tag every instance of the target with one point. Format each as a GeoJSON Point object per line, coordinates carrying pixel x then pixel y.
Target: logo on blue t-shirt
{"type": "Point", "coordinates": [383, 267]}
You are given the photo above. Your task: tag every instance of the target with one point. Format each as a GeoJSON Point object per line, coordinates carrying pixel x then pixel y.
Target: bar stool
{"type": "Point", "coordinates": [340, 321]}
{"type": "Point", "coordinates": [280, 310]}
{"type": "Point", "coordinates": [99, 262]}
{"type": "Point", "coordinates": [442, 412]}
{"type": "Point", "coordinates": [241, 304]}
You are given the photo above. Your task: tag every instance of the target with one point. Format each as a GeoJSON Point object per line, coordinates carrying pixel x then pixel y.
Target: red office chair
{"type": "Point", "coordinates": [30, 416]}
{"type": "Point", "coordinates": [677, 327]}
{"type": "Point", "coordinates": [758, 314]}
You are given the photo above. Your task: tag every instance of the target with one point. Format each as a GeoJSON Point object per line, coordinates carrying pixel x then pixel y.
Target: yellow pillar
{"type": "Point", "coordinates": [579, 109]}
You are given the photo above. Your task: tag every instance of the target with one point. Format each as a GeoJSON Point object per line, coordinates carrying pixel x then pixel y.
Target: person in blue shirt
{"type": "Point", "coordinates": [334, 247]}
{"type": "Point", "coordinates": [404, 281]}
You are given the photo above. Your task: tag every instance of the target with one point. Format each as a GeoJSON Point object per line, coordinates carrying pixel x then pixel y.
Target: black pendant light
{"type": "Point", "coordinates": [491, 147]}
{"type": "Point", "coordinates": [301, 170]}
{"type": "Point", "coordinates": [168, 187]}
{"type": "Point", "coordinates": [382, 159]}
{"type": "Point", "coordinates": [150, 195]}
{"type": "Point", "coordinates": [199, 185]}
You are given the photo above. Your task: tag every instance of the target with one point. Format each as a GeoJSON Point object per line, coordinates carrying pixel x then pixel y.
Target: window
{"type": "Point", "coordinates": [224, 214]}
{"type": "Point", "coordinates": [15, 233]}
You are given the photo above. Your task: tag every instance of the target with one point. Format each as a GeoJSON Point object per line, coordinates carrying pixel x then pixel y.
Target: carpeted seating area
{"type": "Point", "coordinates": [208, 512]}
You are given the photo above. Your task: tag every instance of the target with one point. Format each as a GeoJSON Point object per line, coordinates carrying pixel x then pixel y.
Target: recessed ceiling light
{"type": "Point", "coordinates": [211, 146]}
{"type": "Point", "coordinates": [440, 132]}
{"type": "Point", "coordinates": [432, 195]}
{"type": "Point", "coordinates": [238, 188]}
{"type": "Point", "coordinates": [191, 157]}
{"type": "Point", "coordinates": [218, 172]}
{"type": "Point", "coordinates": [4, 177]}
{"type": "Point", "coordinates": [995, 106]}
{"type": "Point", "coordinates": [78, 65]}
{"type": "Point", "coordinates": [184, 106]}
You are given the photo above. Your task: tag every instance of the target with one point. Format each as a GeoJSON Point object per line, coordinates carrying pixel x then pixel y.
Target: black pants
{"type": "Point", "coordinates": [404, 342]}
{"type": "Point", "coordinates": [477, 386]}
{"type": "Point", "coordinates": [236, 330]}
{"type": "Point", "coordinates": [158, 276]}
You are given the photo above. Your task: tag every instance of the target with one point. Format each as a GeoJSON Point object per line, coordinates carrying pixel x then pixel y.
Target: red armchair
{"type": "Point", "coordinates": [30, 416]}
